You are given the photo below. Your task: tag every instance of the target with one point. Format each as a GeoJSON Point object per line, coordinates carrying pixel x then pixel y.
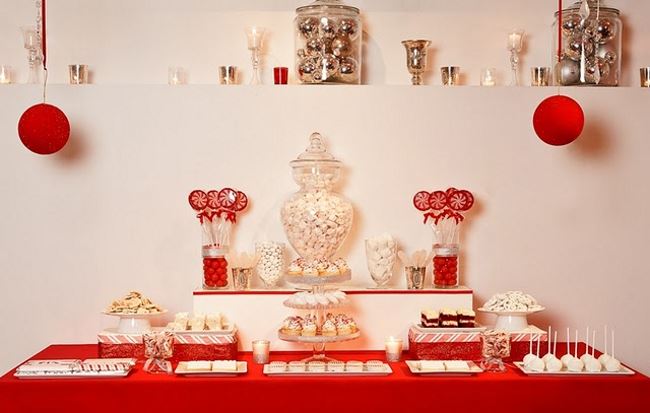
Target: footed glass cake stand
{"type": "Point", "coordinates": [318, 285]}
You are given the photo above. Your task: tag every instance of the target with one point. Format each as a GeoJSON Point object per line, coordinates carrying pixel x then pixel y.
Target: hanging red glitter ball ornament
{"type": "Point", "coordinates": [558, 120]}
{"type": "Point", "coordinates": [44, 129]}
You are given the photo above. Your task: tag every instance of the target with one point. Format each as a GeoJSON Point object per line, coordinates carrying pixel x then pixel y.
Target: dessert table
{"type": "Point", "coordinates": [402, 391]}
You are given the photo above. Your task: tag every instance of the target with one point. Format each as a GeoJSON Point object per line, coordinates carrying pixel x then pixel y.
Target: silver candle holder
{"type": "Point", "coordinates": [540, 76]}
{"type": "Point", "coordinates": [228, 75]}
{"type": "Point", "coordinates": [645, 77]}
{"type": "Point", "coordinates": [78, 74]}
{"type": "Point", "coordinates": [416, 59]}
{"type": "Point", "coordinates": [450, 75]}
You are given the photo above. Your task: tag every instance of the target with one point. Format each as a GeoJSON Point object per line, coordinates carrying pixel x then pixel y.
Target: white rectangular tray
{"type": "Point", "coordinates": [624, 371]}
{"type": "Point", "coordinates": [415, 369]}
{"type": "Point", "coordinates": [68, 369]}
{"type": "Point", "coordinates": [385, 372]}
{"type": "Point", "coordinates": [181, 370]}
{"type": "Point", "coordinates": [479, 328]}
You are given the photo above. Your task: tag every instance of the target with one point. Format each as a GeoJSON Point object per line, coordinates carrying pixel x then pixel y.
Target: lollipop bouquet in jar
{"type": "Point", "coordinates": [444, 209]}
{"type": "Point", "coordinates": [217, 213]}
{"type": "Point", "coordinates": [316, 220]}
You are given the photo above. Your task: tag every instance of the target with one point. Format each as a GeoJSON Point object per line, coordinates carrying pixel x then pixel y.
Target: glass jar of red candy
{"type": "Point", "coordinates": [445, 265]}
{"type": "Point", "coordinates": [215, 273]}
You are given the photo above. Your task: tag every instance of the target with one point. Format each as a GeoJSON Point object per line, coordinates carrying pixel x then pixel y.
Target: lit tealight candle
{"type": "Point", "coordinates": [261, 351]}
{"type": "Point", "coordinates": [488, 77]}
{"type": "Point", "coordinates": [393, 349]}
{"type": "Point", "coordinates": [5, 75]}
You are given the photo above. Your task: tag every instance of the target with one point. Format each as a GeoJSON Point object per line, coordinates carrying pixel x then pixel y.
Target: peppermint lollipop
{"type": "Point", "coordinates": [241, 201]}
{"type": "Point", "coordinates": [198, 200]}
{"type": "Point", "coordinates": [438, 200]}
{"type": "Point", "coordinates": [227, 198]}
{"type": "Point", "coordinates": [421, 201]}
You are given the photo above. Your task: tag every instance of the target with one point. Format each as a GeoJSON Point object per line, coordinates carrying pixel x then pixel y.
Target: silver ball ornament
{"type": "Point", "coordinates": [341, 46]}
{"type": "Point", "coordinates": [314, 46]}
{"type": "Point", "coordinates": [308, 67]}
{"type": "Point", "coordinates": [576, 46]}
{"type": "Point", "coordinates": [608, 53]}
{"type": "Point", "coordinates": [606, 29]}
{"type": "Point", "coordinates": [348, 68]}
{"type": "Point", "coordinates": [327, 28]}
{"type": "Point", "coordinates": [308, 27]}
{"type": "Point", "coordinates": [329, 66]}
{"type": "Point", "coordinates": [567, 72]}
{"type": "Point", "coordinates": [349, 28]}
{"type": "Point", "coordinates": [571, 24]}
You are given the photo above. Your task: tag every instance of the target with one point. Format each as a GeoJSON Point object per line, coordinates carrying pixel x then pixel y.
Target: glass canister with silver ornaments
{"type": "Point", "coordinates": [328, 36]}
{"type": "Point", "coordinates": [591, 49]}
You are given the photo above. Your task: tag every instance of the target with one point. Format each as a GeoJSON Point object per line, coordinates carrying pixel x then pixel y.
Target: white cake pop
{"type": "Point", "coordinates": [604, 357]}
{"type": "Point", "coordinates": [536, 364]}
{"type": "Point", "coordinates": [568, 356]}
{"type": "Point", "coordinates": [592, 364]}
{"type": "Point", "coordinates": [575, 364]}
{"type": "Point", "coordinates": [553, 364]}
{"type": "Point", "coordinates": [612, 364]}
{"type": "Point", "coordinates": [548, 354]}
{"type": "Point", "coordinates": [586, 356]}
{"type": "Point", "coordinates": [530, 356]}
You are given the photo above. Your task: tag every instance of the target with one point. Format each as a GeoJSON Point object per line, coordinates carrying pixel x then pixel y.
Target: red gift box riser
{"type": "Point", "coordinates": [462, 351]}
{"type": "Point", "coordinates": [182, 352]}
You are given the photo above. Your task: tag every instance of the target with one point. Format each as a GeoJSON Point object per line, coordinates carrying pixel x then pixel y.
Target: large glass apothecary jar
{"type": "Point", "coordinates": [591, 49]}
{"type": "Point", "coordinates": [328, 43]}
{"type": "Point", "coordinates": [317, 220]}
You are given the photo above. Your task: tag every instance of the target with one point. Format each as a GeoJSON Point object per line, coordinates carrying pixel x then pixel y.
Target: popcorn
{"type": "Point", "coordinates": [512, 301]}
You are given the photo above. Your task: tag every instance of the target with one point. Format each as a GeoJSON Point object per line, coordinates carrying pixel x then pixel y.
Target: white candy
{"type": "Point", "coordinates": [512, 301]}
{"type": "Point", "coordinates": [553, 365]}
{"type": "Point", "coordinates": [271, 263]}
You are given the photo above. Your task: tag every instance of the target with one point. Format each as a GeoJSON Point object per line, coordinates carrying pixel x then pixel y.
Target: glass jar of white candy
{"type": "Point", "coordinates": [328, 43]}
{"type": "Point", "coordinates": [271, 263]}
{"type": "Point", "coordinates": [315, 219]}
{"type": "Point", "coordinates": [591, 48]}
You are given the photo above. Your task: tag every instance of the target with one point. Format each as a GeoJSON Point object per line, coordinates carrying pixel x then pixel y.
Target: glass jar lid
{"type": "Point", "coordinates": [315, 154]}
{"type": "Point", "coordinates": [593, 5]}
{"type": "Point", "coordinates": [323, 5]}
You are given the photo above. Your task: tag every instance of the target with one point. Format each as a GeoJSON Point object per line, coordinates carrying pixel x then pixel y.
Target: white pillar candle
{"type": "Point", "coordinates": [393, 349]}
{"type": "Point", "coordinates": [488, 77]}
{"type": "Point", "coordinates": [5, 75]}
{"type": "Point", "coordinates": [261, 351]}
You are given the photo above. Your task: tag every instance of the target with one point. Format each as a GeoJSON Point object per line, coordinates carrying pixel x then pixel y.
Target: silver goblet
{"type": "Point", "coordinates": [416, 58]}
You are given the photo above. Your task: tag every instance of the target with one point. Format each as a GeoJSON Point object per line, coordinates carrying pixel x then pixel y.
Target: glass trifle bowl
{"type": "Point", "coordinates": [317, 220]}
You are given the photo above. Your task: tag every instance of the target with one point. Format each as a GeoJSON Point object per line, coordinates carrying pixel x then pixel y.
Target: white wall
{"type": "Point", "coordinates": [109, 213]}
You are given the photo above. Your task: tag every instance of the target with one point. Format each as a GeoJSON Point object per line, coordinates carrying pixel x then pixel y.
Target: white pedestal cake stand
{"type": "Point", "coordinates": [318, 285]}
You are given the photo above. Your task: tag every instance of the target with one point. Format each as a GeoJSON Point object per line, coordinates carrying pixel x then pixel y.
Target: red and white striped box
{"type": "Point", "coordinates": [465, 345]}
{"type": "Point", "coordinates": [187, 346]}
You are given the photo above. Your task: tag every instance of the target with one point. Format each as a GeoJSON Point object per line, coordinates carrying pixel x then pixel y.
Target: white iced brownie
{"type": "Point", "coordinates": [224, 365]}
{"type": "Point", "coordinates": [198, 365]}
{"type": "Point", "coordinates": [431, 365]}
{"type": "Point", "coordinates": [214, 322]}
{"type": "Point", "coordinates": [197, 323]}
{"type": "Point", "coordinates": [457, 365]}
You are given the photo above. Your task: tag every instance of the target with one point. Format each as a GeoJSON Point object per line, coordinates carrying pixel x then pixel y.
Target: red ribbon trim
{"type": "Point", "coordinates": [43, 35]}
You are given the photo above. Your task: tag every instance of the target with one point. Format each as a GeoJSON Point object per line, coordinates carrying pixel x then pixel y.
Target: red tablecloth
{"type": "Point", "coordinates": [400, 392]}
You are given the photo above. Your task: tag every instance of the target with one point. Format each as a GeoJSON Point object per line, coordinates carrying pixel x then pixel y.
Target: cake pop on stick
{"type": "Point", "coordinates": [586, 356]}
{"type": "Point", "coordinates": [575, 364]}
{"type": "Point", "coordinates": [568, 356]}
{"type": "Point", "coordinates": [592, 365]}
{"type": "Point", "coordinates": [553, 364]}
{"type": "Point", "coordinates": [612, 364]}
{"type": "Point", "coordinates": [537, 364]}
{"type": "Point", "coordinates": [530, 356]}
{"type": "Point", "coordinates": [548, 354]}
{"type": "Point", "coordinates": [604, 357]}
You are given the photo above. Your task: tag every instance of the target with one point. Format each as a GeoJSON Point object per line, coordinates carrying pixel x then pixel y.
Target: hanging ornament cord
{"type": "Point", "coordinates": [42, 37]}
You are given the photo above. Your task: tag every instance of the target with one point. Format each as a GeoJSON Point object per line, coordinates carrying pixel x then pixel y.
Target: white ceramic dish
{"type": "Point", "coordinates": [134, 323]}
{"type": "Point", "coordinates": [385, 371]}
{"type": "Point", "coordinates": [624, 371]}
{"type": "Point", "coordinates": [511, 320]}
{"type": "Point", "coordinates": [414, 367]}
{"type": "Point", "coordinates": [318, 279]}
{"type": "Point", "coordinates": [181, 370]}
{"type": "Point", "coordinates": [479, 328]}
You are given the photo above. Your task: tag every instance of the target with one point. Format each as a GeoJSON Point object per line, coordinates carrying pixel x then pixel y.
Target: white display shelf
{"type": "Point", "coordinates": [379, 313]}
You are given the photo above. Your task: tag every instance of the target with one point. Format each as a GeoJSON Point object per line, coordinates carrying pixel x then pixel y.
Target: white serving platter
{"type": "Point", "coordinates": [624, 371]}
{"type": "Point", "coordinates": [181, 370]}
{"type": "Point", "coordinates": [318, 338]}
{"type": "Point", "coordinates": [414, 366]}
{"type": "Point", "coordinates": [70, 369]}
{"type": "Point", "coordinates": [386, 370]}
{"type": "Point", "coordinates": [479, 328]}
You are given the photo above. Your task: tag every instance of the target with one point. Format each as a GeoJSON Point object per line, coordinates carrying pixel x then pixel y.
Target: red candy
{"type": "Point", "coordinates": [445, 271]}
{"type": "Point", "coordinates": [215, 272]}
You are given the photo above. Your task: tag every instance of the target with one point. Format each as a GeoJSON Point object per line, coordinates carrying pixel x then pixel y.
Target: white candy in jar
{"type": "Point", "coordinates": [271, 262]}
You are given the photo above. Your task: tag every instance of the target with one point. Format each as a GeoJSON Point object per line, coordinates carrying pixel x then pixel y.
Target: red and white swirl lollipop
{"type": "Point", "coordinates": [438, 200]}
{"type": "Point", "coordinates": [241, 201]}
{"type": "Point", "coordinates": [421, 201]}
{"type": "Point", "coordinates": [198, 200]}
{"type": "Point", "coordinates": [458, 201]}
{"type": "Point", "coordinates": [213, 199]}
{"type": "Point", "coordinates": [227, 198]}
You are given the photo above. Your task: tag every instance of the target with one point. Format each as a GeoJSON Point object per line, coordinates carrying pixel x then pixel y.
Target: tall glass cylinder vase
{"type": "Point", "coordinates": [446, 249]}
